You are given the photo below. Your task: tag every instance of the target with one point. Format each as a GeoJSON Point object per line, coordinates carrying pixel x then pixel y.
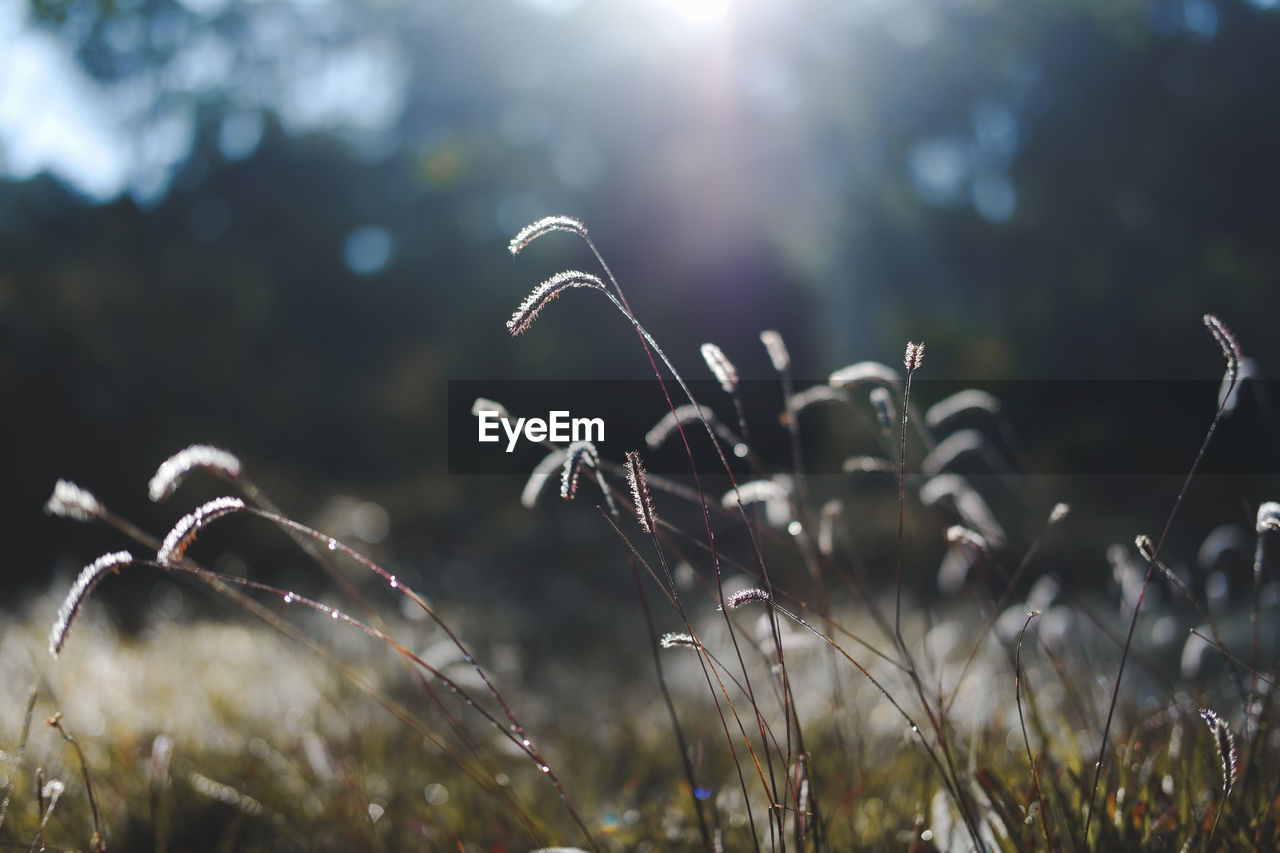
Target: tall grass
{"type": "Point", "coordinates": [808, 700]}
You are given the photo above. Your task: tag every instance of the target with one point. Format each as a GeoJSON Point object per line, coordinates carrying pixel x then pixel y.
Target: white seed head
{"type": "Point", "coordinates": [638, 482]}
{"type": "Point", "coordinates": [816, 395]}
{"type": "Point", "coordinates": [524, 315]}
{"type": "Point", "coordinates": [913, 357]}
{"type": "Point", "coordinates": [71, 501]}
{"type": "Point", "coordinates": [174, 470]}
{"type": "Point", "coordinates": [673, 641]}
{"type": "Point", "coordinates": [863, 372]}
{"type": "Point", "coordinates": [777, 350]}
{"type": "Point", "coordinates": [539, 477]}
{"type": "Point", "coordinates": [961, 402]}
{"type": "Point", "coordinates": [721, 368]}
{"type": "Point", "coordinates": [959, 534]}
{"type": "Point", "coordinates": [79, 592]}
{"type": "Point", "coordinates": [1230, 348]}
{"type": "Point", "coordinates": [579, 454]}
{"type": "Point", "coordinates": [755, 491]}
{"type": "Point", "coordinates": [1225, 742]}
{"type": "Point", "coordinates": [679, 416]}
{"type": "Point", "coordinates": [185, 531]}
{"type": "Point", "coordinates": [1269, 516]}
{"type": "Point", "coordinates": [746, 596]}
{"type": "Point", "coordinates": [482, 405]}
{"type": "Point", "coordinates": [545, 225]}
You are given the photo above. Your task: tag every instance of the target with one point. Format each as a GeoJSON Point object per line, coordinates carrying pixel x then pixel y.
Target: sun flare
{"type": "Point", "coordinates": [701, 12]}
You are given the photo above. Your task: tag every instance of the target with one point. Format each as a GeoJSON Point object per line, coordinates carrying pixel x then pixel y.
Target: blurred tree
{"type": "Point", "coordinates": [307, 235]}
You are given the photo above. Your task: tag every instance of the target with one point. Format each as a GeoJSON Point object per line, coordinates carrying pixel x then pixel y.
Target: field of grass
{"type": "Point", "coordinates": [779, 685]}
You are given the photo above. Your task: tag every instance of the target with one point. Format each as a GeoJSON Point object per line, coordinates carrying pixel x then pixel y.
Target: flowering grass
{"type": "Point", "coordinates": [781, 683]}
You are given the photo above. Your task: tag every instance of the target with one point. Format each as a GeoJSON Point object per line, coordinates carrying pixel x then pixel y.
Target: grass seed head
{"type": "Point", "coordinates": [913, 357]}
{"type": "Point", "coordinates": [579, 454]}
{"type": "Point", "coordinates": [1230, 348]}
{"type": "Point", "coordinates": [174, 470]}
{"type": "Point", "coordinates": [864, 372]}
{"type": "Point", "coordinates": [721, 368]}
{"type": "Point", "coordinates": [675, 641]}
{"type": "Point", "coordinates": [1269, 516]}
{"type": "Point", "coordinates": [184, 532]}
{"type": "Point", "coordinates": [79, 593]}
{"type": "Point", "coordinates": [777, 350]}
{"type": "Point", "coordinates": [71, 501]}
{"type": "Point", "coordinates": [638, 481]}
{"type": "Point", "coordinates": [746, 596]}
{"type": "Point", "coordinates": [539, 476]}
{"type": "Point", "coordinates": [545, 225]}
{"type": "Point", "coordinates": [1225, 742]}
{"type": "Point", "coordinates": [524, 316]}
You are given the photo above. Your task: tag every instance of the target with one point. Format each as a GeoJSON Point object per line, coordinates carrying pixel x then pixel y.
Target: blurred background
{"type": "Point", "coordinates": [280, 228]}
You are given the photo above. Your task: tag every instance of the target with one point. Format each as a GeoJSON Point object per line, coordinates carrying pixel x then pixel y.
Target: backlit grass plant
{"type": "Point", "coordinates": [791, 694]}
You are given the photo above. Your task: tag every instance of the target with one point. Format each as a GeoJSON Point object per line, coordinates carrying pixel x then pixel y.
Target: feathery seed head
{"type": "Point", "coordinates": [913, 357]}
{"type": "Point", "coordinates": [483, 404]}
{"type": "Point", "coordinates": [961, 402]}
{"type": "Point", "coordinates": [777, 350]}
{"type": "Point", "coordinates": [746, 596]}
{"type": "Point", "coordinates": [814, 395]}
{"type": "Point", "coordinates": [638, 481]}
{"type": "Point", "coordinates": [673, 641]}
{"type": "Point", "coordinates": [545, 225]}
{"type": "Point", "coordinates": [679, 416]}
{"type": "Point", "coordinates": [539, 477]}
{"type": "Point", "coordinates": [721, 368]}
{"type": "Point", "coordinates": [79, 592]}
{"type": "Point", "coordinates": [863, 372]}
{"type": "Point", "coordinates": [580, 453]}
{"type": "Point", "coordinates": [174, 470]}
{"type": "Point", "coordinates": [757, 491]}
{"type": "Point", "coordinates": [1230, 348]}
{"type": "Point", "coordinates": [524, 316]}
{"type": "Point", "coordinates": [959, 534]}
{"type": "Point", "coordinates": [1225, 742]}
{"type": "Point", "coordinates": [71, 501]}
{"type": "Point", "coordinates": [184, 532]}
{"type": "Point", "coordinates": [1269, 516]}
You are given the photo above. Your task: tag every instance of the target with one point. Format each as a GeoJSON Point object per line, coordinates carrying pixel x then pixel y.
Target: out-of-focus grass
{"type": "Point", "coordinates": [225, 735]}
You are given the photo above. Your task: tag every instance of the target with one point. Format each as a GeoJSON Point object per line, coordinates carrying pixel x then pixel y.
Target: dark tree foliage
{"type": "Point", "coordinates": [1038, 190]}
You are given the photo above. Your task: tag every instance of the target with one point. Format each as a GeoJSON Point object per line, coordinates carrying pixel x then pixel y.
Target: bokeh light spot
{"type": "Point", "coordinates": [938, 168]}
{"type": "Point", "coordinates": [368, 249]}
{"type": "Point", "coordinates": [240, 134]}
